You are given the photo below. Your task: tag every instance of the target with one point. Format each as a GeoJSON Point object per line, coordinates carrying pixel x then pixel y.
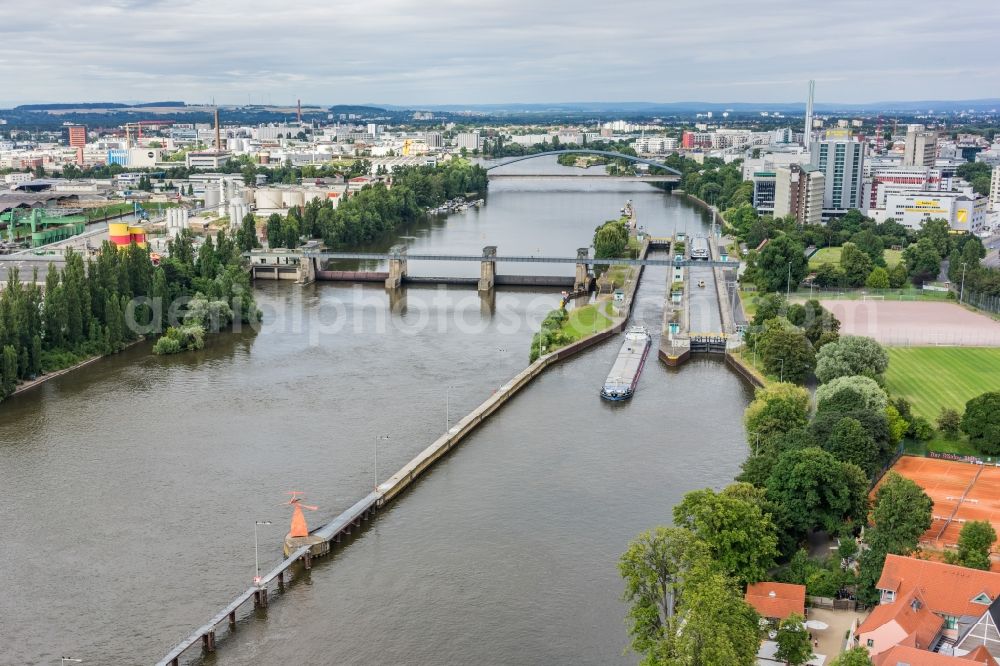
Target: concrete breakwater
{"type": "Point", "coordinates": [334, 531]}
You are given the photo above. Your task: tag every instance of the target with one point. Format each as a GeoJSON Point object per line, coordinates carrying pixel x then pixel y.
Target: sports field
{"type": "Point", "coordinates": [960, 491]}
{"type": "Point", "coordinates": [915, 323]}
{"type": "Point", "coordinates": [935, 377]}
{"type": "Point", "coordinates": [831, 255]}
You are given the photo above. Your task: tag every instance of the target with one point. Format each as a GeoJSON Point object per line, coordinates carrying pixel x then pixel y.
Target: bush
{"type": "Point", "coordinates": [167, 345]}
{"type": "Point", "coordinates": [921, 429]}
{"type": "Point", "coordinates": [981, 422]}
{"type": "Point", "coordinates": [189, 337]}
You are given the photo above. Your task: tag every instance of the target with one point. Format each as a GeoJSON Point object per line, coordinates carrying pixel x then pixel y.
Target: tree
{"type": "Point", "coordinates": [851, 443]}
{"type": "Point", "coordinates": [851, 392]}
{"type": "Point", "coordinates": [741, 219]}
{"type": "Point", "coordinates": [981, 422]}
{"type": "Point", "coordinates": [716, 625]}
{"type": "Point", "coordinates": [275, 234]}
{"type": "Point", "coordinates": [794, 644]}
{"type": "Point", "coordinates": [902, 512]}
{"type": "Point", "coordinates": [949, 421]}
{"type": "Point", "coordinates": [655, 568]}
{"type": "Point", "coordinates": [974, 544]}
{"type": "Point", "coordinates": [813, 490]}
{"type": "Point", "coordinates": [740, 535]}
{"type": "Point", "coordinates": [871, 244]}
{"type": "Point", "coordinates": [246, 235]}
{"type": "Point", "coordinates": [855, 264]}
{"type": "Point", "coordinates": [923, 263]}
{"type": "Point", "coordinates": [857, 656]}
{"type": "Point", "coordinates": [851, 355]}
{"type": "Point", "coordinates": [878, 278]}
{"type": "Point", "coordinates": [8, 370]}
{"type": "Point", "coordinates": [781, 264]}
{"type": "Point", "coordinates": [776, 409]}
{"type": "Point", "coordinates": [898, 275]}
{"type": "Point", "coordinates": [786, 351]}
{"type": "Point", "coordinates": [938, 232]}
{"type": "Point", "coordinates": [610, 239]}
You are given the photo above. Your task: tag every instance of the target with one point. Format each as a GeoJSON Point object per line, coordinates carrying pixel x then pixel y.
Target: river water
{"type": "Point", "coordinates": [131, 488]}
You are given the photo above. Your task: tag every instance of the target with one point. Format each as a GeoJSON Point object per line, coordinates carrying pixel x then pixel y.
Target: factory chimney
{"type": "Point", "coordinates": [300, 111]}
{"type": "Point", "coordinates": [218, 135]}
{"type": "Point", "coordinates": [807, 135]}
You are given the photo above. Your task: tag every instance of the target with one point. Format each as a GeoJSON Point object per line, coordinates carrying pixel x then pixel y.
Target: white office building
{"type": "Point", "coordinates": [920, 148]}
{"type": "Point", "coordinates": [468, 140]}
{"type": "Point", "coordinates": [912, 209]}
{"type": "Point", "coordinates": [995, 190]}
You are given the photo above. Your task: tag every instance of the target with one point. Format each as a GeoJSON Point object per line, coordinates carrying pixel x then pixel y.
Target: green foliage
{"type": "Point", "coordinates": [878, 279]}
{"type": "Point", "coordinates": [857, 656]}
{"type": "Point", "coordinates": [974, 543]}
{"type": "Point", "coordinates": [786, 351]}
{"type": "Point", "coordinates": [851, 443]}
{"type": "Point", "coordinates": [981, 422]}
{"type": "Point", "coordinates": [923, 262]}
{"type": "Point", "coordinates": [851, 355]}
{"type": "Point", "coordinates": [740, 536]}
{"type": "Point", "coordinates": [898, 275]}
{"type": "Point", "coordinates": [921, 429]}
{"type": "Point", "coordinates": [794, 643]}
{"type": "Point", "coordinates": [811, 489]}
{"type": "Point", "coordinates": [189, 337]}
{"type": "Point", "coordinates": [776, 409]}
{"type": "Point", "coordinates": [610, 239]}
{"type": "Point", "coordinates": [949, 422]}
{"type": "Point", "coordinates": [855, 264]}
{"type": "Point", "coordinates": [654, 569]}
{"type": "Point", "coordinates": [938, 233]}
{"type": "Point", "coordinates": [781, 264]}
{"type": "Point", "coordinates": [846, 393]}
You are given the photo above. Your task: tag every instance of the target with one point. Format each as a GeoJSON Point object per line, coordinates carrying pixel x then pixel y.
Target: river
{"type": "Point", "coordinates": [130, 489]}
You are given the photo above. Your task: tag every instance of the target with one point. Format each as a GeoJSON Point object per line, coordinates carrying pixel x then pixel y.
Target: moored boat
{"type": "Point", "coordinates": [624, 375]}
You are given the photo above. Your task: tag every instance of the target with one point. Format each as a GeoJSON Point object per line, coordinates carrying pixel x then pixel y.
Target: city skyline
{"type": "Point", "coordinates": [397, 52]}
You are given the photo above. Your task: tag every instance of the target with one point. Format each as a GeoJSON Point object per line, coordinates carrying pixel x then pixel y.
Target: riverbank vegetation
{"type": "Point", "coordinates": [561, 327]}
{"type": "Point", "coordinates": [378, 209]}
{"type": "Point", "coordinates": [96, 307]}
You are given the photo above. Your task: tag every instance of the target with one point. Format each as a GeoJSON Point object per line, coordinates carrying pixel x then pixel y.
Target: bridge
{"type": "Point", "coordinates": [304, 266]}
{"type": "Point", "coordinates": [676, 175]}
{"type": "Point", "coordinates": [584, 176]}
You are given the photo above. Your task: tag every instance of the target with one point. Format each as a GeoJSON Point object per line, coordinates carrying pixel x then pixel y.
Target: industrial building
{"type": "Point", "coordinates": [921, 146]}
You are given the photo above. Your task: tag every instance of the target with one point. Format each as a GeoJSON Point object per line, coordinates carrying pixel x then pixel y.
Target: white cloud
{"type": "Point", "coordinates": [459, 51]}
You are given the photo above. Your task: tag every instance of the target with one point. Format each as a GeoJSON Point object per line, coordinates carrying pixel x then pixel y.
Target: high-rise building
{"type": "Point", "coordinates": [921, 146]}
{"type": "Point", "coordinates": [798, 191]}
{"type": "Point", "coordinates": [77, 135]}
{"type": "Point", "coordinates": [995, 190]}
{"type": "Point", "coordinates": [468, 140]}
{"type": "Point", "coordinates": [763, 191]}
{"type": "Point", "coordinates": [807, 133]}
{"type": "Point", "coordinates": [842, 162]}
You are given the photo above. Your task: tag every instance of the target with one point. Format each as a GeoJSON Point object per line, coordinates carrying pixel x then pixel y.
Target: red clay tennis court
{"type": "Point", "coordinates": [961, 492]}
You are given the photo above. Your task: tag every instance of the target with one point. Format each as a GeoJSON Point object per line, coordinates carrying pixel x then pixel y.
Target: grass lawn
{"type": "Point", "coordinates": [935, 377]}
{"type": "Point", "coordinates": [939, 444]}
{"type": "Point", "coordinates": [831, 255]}
{"type": "Point", "coordinates": [588, 319]}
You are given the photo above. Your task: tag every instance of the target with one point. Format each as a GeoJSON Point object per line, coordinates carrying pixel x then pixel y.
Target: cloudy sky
{"type": "Point", "coordinates": [414, 52]}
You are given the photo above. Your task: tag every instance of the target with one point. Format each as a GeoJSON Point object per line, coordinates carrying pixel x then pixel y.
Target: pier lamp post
{"type": "Point", "coordinates": [377, 439]}
{"type": "Point", "coordinates": [256, 557]}
{"type": "Point", "coordinates": [447, 408]}
{"type": "Point", "coordinates": [500, 352]}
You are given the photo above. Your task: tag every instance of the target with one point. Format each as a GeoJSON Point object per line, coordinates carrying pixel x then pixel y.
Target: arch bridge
{"type": "Point", "coordinates": [587, 151]}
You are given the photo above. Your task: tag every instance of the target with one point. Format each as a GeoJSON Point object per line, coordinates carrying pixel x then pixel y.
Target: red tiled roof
{"type": "Point", "coordinates": [911, 656]}
{"type": "Point", "coordinates": [777, 600]}
{"type": "Point", "coordinates": [945, 588]}
{"type": "Point", "coordinates": [913, 617]}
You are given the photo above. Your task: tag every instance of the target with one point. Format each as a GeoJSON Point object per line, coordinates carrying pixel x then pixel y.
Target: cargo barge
{"type": "Point", "coordinates": [624, 375]}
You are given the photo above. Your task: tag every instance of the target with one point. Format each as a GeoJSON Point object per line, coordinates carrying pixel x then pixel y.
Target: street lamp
{"type": "Point", "coordinates": [781, 377]}
{"type": "Point", "coordinates": [377, 439]}
{"type": "Point", "coordinates": [256, 558]}
{"type": "Point", "coordinates": [788, 283]}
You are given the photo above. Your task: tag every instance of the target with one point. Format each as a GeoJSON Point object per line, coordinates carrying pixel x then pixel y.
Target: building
{"type": "Point", "coordinates": [905, 655]}
{"type": "Point", "coordinates": [911, 209]}
{"type": "Point", "coordinates": [935, 607]}
{"type": "Point", "coordinates": [798, 191]}
{"type": "Point", "coordinates": [763, 191]}
{"type": "Point", "coordinates": [134, 157]}
{"type": "Point", "coordinates": [881, 178]}
{"type": "Point", "coordinates": [995, 190]}
{"type": "Point", "coordinates": [841, 160]}
{"type": "Point", "coordinates": [468, 140]}
{"type": "Point", "coordinates": [211, 159]}
{"type": "Point", "coordinates": [921, 146]}
{"type": "Point", "coordinates": [777, 601]}
{"type": "Point", "coordinates": [76, 136]}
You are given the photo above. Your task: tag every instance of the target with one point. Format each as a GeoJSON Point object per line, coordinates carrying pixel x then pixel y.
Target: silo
{"type": "Point", "coordinates": [264, 157]}
{"type": "Point", "coordinates": [118, 233]}
{"type": "Point", "coordinates": [267, 197]}
{"type": "Point", "coordinates": [212, 196]}
{"type": "Point", "coordinates": [238, 209]}
{"type": "Point", "coordinates": [292, 198]}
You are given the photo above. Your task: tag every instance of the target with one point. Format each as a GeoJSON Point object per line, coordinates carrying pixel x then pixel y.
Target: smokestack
{"type": "Point", "coordinates": [807, 135]}
{"type": "Point", "coordinates": [218, 135]}
{"type": "Point", "coordinates": [300, 111]}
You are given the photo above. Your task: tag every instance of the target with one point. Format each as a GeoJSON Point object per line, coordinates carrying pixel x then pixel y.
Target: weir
{"type": "Point", "coordinates": [334, 531]}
